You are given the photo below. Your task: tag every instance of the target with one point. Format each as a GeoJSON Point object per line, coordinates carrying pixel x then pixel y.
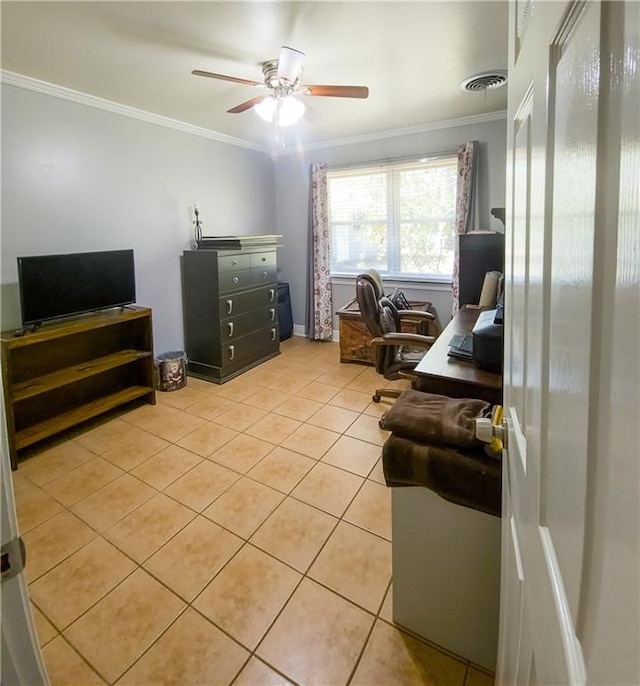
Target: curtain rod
{"type": "Point", "coordinates": [393, 160]}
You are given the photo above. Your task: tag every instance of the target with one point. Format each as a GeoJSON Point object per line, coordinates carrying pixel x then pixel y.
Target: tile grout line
{"type": "Point", "coordinates": [241, 475]}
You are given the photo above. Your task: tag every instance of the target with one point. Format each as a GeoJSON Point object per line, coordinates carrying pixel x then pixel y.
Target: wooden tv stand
{"type": "Point", "coordinates": [66, 372]}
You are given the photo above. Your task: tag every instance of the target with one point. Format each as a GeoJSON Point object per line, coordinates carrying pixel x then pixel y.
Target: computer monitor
{"type": "Point", "coordinates": [479, 253]}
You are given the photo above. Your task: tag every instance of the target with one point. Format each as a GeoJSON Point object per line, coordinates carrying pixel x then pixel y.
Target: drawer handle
{"type": "Point", "coordinates": [230, 325]}
{"type": "Point", "coordinates": [264, 275]}
{"type": "Point", "coordinates": [273, 334]}
{"type": "Point", "coordinates": [235, 263]}
{"type": "Point", "coordinates": [264, 259]}
{"type": "Point", "coordinates": [235, 279]}
{"type": "Point", "coordinates": [272, 294]}
{"type": "Point", "coordinates": [232, 352]}
{"type": "Point", "coordinates": [272, 312]}
{"type": "Point", "coordinates": [229, 306]}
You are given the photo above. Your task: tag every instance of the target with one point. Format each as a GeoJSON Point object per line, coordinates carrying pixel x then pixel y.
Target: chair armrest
{"type": "Point", "coordinates": [411, 338]}
{"type": "Point", "coordinates": [420, 314]}
{"type": "Point", "coordinates": [404, 339]}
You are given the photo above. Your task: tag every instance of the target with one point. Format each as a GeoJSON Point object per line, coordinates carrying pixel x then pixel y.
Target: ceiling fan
{"type": "Point", "coordinates": [282, 81]}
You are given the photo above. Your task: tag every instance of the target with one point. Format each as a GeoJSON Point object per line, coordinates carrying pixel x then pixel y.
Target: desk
{"type": "Point", "coordinates": [439, 373]}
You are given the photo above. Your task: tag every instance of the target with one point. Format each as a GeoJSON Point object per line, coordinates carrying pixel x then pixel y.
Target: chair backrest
{"type": "Point", "coordinates": [368, 296]}
{"type": "Point", "coordinates": [389, 318]}
{"type": "Point", "coordinates": [380, 317]}
{"type": "Point", "coordinates": [376, 278]}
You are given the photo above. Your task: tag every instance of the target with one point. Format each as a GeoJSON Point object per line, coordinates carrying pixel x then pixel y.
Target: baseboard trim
{"type": "Point", "coordinates": [299, 330]}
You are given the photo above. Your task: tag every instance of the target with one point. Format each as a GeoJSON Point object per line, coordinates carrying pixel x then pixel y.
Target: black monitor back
{"type": "Point", "coordinates": [479, 253]}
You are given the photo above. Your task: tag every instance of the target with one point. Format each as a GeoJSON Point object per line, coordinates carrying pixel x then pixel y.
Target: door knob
{"type": "Point", "coordinates": [494, 430]}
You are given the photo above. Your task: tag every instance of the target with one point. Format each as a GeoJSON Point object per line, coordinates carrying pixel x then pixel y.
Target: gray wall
{"type": "Point", "coordinates": [292, 193]}
{"type": "Point", "coordinates": [75, 178]}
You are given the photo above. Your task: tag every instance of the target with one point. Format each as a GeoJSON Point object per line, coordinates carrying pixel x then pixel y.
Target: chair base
{"type": "Point", "coordinates": [385, 393]}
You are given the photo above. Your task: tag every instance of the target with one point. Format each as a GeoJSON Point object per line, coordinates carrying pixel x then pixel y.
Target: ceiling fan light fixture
{"type": "Point", "coordinates": [290, 111]}
{"type": "Point", "coordinates": [266, 108]}
{"type": "Point", "coordinates": [289, 64]}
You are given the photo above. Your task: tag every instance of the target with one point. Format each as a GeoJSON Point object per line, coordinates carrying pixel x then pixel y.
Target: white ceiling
{"type": "Point", "coordinates": [411, 55]}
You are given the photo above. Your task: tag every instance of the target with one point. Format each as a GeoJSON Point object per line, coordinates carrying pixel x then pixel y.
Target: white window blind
{"type": "Point", "coordinates": [396, 218]}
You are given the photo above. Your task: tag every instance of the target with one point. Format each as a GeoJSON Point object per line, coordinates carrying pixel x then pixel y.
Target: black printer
{"type": "Point", "coordinates": [487, 336]}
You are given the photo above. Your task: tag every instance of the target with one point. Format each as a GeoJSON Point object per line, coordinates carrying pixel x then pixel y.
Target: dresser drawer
{"type": "Point", "coordinates": [264, 275]}
{"type": "Point", "coordinates": [237, 272]}
{"type": "Point", "coordinates": [235, 280]}
{"type": "Point", "coordinates": [254, 345]}
{"type": "Point", "coordinates": [263, 259]}
{"type": "Point", "coordinates": [264, 268]}
{"type": "Point", "coordinates": [231, 263]}
{"type": "Point", "coordinates": [242, 324]}
{"type": "Point", "coordinates": [238, 303]}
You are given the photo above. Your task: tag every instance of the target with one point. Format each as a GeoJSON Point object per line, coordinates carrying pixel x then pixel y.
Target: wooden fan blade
{"type": "Point", "coordinates": [336, 91]}
{"type": "Point", "coordinates": [243, 107]}
{"type": "Point", "coordinates": [223, 77]}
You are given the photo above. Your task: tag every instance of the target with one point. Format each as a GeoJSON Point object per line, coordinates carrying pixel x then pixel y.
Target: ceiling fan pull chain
{"type": "Point", "coordinates": [279, 130]}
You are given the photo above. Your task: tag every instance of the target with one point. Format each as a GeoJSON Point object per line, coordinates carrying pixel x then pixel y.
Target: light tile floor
{"type": "Point", "coordinates": [235, 534]}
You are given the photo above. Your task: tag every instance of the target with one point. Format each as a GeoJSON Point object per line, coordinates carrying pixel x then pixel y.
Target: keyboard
{"type": "Point", "coordinates": [462, 343]}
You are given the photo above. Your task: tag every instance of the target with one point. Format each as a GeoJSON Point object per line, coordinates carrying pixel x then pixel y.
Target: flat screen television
{"type": "Point", "coordinates": [56, 286]}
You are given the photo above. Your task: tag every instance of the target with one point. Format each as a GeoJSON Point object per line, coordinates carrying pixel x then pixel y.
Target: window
{"type": "Point", "coordinates": [396, 218]}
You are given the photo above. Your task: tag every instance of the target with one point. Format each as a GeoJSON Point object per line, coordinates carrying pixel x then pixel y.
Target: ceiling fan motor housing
{"type": "Point", "coordinates": [270, 72]}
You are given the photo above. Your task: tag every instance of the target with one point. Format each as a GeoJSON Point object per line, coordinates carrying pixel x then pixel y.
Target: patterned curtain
{"type": "Point", "coordinates": [319, 314]}
{"type": "Point", "coordinates": [466, 206]}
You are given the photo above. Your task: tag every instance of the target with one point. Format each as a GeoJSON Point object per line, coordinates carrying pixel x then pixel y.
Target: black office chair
{"type": "Point", "coordinates": [429, 326]}
{"type": "Point", "coordinates": [396, 354]}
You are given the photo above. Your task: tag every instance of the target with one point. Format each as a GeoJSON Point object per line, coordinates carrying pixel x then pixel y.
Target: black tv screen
{"type": "Point", "coordinates": [54, 286]}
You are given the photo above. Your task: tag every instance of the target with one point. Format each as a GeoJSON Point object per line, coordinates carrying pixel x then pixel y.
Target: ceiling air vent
{"type": "Point", "coordinates": [486, 81]}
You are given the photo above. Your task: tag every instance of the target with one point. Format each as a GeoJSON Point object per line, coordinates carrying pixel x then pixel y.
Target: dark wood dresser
{"type": "Point", "coordinates": [230, 310]}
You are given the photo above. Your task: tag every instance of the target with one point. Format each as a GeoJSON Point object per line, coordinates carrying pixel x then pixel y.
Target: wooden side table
{"type": "Point", "coordinates": [355, 337]}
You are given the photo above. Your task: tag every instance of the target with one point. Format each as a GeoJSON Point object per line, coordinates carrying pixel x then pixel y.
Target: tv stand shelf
{"type": "Point", "coordinates": [49, 382]}
{"type": "Point", "coordinates": [67, 372]}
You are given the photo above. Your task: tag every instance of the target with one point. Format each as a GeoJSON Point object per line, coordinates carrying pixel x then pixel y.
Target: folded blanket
{"type": "Point", "coordinates": [463, 477]}
{"type": "Point", "coordinates": [436, 419]}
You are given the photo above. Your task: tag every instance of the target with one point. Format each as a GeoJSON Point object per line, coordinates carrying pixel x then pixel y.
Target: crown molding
{"type": "Point", "coordinates": [393, 133]}
{"type": "Point", "coordinates": [28, 83]}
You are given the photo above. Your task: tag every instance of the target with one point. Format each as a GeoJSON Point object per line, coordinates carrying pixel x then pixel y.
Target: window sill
{"type": "Point", "coordinates": [435, 284]}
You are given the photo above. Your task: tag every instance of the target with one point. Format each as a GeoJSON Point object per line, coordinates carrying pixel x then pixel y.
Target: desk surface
{"type": "Point", "coordinates": [439, 373]}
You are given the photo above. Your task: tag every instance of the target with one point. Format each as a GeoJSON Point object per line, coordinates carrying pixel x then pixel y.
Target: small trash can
{"type": "Point", "coordinates": [171, 370]}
